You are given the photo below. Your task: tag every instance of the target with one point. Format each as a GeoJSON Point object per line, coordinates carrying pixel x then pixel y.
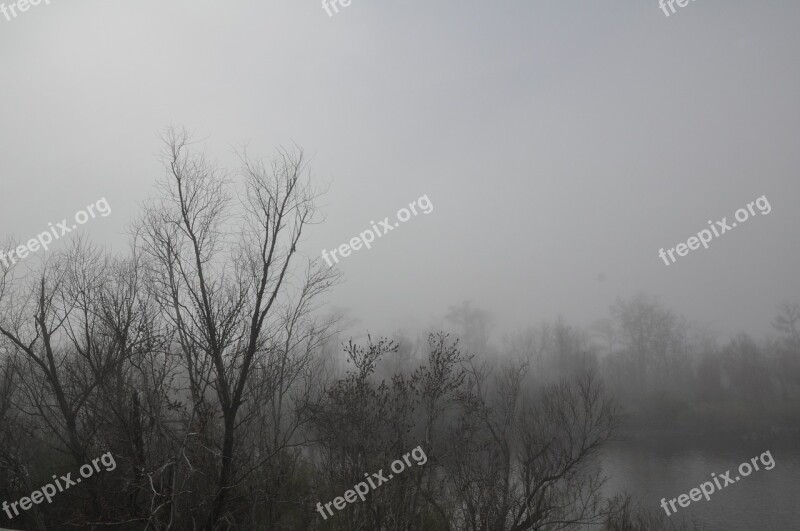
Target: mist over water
{"type": "Point", "coordinates": [760, 501]}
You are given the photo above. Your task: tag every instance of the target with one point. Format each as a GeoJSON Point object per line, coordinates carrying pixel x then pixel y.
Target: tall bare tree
{"type": "Point", "coordinates": [223, 275]}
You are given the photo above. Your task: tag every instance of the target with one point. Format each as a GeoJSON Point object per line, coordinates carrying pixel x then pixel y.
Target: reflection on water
{"type": "Point", "coordinates": [763, 501]}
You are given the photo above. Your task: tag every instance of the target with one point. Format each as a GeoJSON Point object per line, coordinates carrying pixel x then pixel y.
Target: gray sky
{"type": "Point", "coordinates": [561, 143]}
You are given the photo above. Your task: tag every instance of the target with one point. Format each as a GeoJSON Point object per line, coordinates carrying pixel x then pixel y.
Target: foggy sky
{"type": "Point", "coordinates": [561, 143]}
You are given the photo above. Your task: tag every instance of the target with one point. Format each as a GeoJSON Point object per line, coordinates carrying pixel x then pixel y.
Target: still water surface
{"type": "Point", "coordinates": [767, 500]}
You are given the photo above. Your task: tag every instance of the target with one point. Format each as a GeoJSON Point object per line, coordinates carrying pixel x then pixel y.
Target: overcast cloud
{"type": "Point", "coordinates": [561, 143]}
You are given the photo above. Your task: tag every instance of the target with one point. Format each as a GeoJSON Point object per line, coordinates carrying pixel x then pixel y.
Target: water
{"type": "Point", "coordinates": [765, 500]}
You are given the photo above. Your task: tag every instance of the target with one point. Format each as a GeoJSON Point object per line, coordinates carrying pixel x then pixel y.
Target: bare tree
{"type": "Point", "coordinates": [33, 319]}
{"type": "Point", "coordinates": [527, 461]}
{"type": "Point", "coordinates": [648, 335]}
{"type": "Point", "coordinates": [223, 276]}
